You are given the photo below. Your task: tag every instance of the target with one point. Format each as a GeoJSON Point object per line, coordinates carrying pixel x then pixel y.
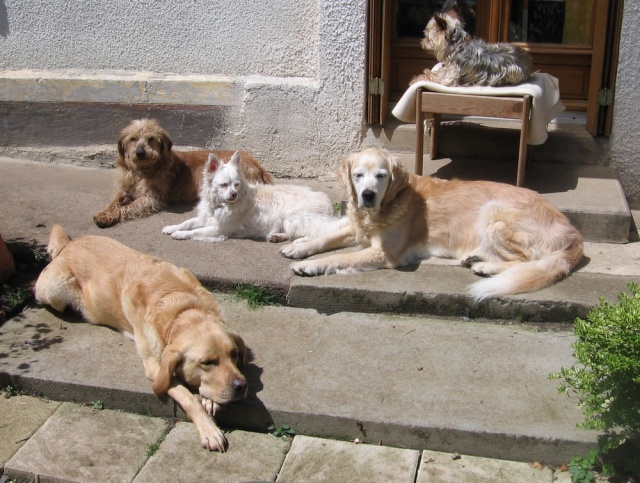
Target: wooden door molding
{"type": "Point", "coordinates": [600, 17]}
{"type": "Point", "coordinates": [374, 58]}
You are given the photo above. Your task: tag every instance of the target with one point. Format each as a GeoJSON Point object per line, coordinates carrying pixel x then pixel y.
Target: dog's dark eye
{"type": "Point", "coordinates": [224, 185]}
{"type": "Point", "coordinates": [133, 140]}
{"type": "Point", "coordinates": [209, 362]}
{"type": "Point", "coordinates": [357, 175]}
{"type": "Point", "coordinates": [234, 354]}
{"type": "Point", "coordinates": [381, 175]}
{"type": "Point", "coordinates": [151, 139]}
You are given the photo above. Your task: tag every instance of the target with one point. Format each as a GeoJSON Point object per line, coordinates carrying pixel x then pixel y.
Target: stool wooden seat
{"type": "Point", "coordinates": [438, 103]}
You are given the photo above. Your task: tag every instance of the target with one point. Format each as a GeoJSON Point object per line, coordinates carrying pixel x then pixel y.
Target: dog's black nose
{"type": "Point", "coordinates": [368, 196]}
{"type": "Point", "coordinates": [140, 153]}
{"type": "Point", "coordinates": [239, 385]}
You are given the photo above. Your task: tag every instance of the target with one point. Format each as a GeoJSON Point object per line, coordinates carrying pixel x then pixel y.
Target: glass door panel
{"type": "Point", "coordinates": [565, 22]}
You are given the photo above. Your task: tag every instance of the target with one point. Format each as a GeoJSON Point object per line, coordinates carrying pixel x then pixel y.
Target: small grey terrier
{"type": "Point", "coordinates": [467, 61]}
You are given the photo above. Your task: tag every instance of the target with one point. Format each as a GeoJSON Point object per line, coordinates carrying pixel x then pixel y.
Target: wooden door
{"type": "Point", "coordinates": [569, 39]}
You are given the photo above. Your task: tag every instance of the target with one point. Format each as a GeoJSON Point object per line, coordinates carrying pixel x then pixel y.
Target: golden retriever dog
{"type": "Point", "coordinates": [175, 322]}
{"type": "Point", "coordinates": [511, 235]}
{"type": "Point", "coordinates": [151, 174]}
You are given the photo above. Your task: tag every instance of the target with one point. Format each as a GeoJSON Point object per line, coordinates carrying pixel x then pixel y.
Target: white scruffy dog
{"type": "Point", "coordinates": [230, 207]}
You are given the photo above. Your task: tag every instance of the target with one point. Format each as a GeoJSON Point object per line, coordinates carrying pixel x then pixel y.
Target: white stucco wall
{"type": "Point", "coordinates": [229, 37]}
{"type": "Point", "coordinates": [299, 67]}
{"type": "Point", "coordinates": [625, 138]}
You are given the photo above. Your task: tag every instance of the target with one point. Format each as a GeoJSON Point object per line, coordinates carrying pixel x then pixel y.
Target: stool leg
{"type": "Point", "coordinates": [434, 132]}
{"type": "Point", "coordinates": [524, 133]}
{"type": "Point", "coordinates": [419, 133]}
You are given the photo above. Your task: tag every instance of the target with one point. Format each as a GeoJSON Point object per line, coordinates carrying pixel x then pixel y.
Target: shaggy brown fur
{"type": "Point", "coordinates": [152, 175]}
{"type": "Point", "coordinates": [467, 61]}
{"type": "Point", "coordinates": [513, 236]}
{"type": "Point", "coordinates": [175, 322]}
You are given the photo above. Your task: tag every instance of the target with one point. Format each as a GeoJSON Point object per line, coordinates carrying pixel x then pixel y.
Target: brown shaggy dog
{"type": "Point", "coordinates": [513, 236]}
{"type": "Point", "coordinates": [151, 175]}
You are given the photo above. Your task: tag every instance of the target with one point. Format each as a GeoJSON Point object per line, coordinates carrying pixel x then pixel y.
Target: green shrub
{"type": "Point", "coordinates": [606, 375]}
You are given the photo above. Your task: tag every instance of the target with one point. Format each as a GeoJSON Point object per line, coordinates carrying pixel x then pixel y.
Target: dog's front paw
{"type": "Point", "coordinates": [169, 229]}
{"type": "Point", "coordinates": [306, 269]}
{"type": "Point", "coordinates": [105, 219]}
{"type": "Point", "coordinates": [212, 437]}
{"type": "Point", "coordinates": [294, 250]}
{"type": "Point", "coordinates": [470, 261]}
{"type": "Point", "coordinates": [181, 235]}
{"type": "Point", "coordinates": [210, 407]}
{"type": "Point", "coordinates": [277, 238]}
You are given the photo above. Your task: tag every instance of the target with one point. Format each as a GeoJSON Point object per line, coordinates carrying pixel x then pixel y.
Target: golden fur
{"type": "Point", "coordinates": [174, 321]}
{"type": "Point", "coordinates": [151, 174]}
{"type": "Point", "coordinates": [512, 234]}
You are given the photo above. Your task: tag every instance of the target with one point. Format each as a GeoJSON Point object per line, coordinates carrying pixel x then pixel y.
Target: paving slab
{"type": "Point", "coordinates": [320, 460]}
{"type": "Point", "coordinates": [81, 444]}
{"type": "Point", "coordinates": [447, 467]}
{"type": "Point", "coordinates": [20, 417]}
{"type": "Point", "coordinates": [180, 458]}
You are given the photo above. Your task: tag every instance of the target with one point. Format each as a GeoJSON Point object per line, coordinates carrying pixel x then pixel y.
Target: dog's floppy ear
{"type": "Point", "coordinates": [242, 348]}
{"type": "Point", "coordinates": [168, 361]}
{"type": "Point", "coordinates": [399, 179]}
{"type": "Point", "coordinates": [120, 162]}
{"type": "Point", "coordinates": [344, 174]}
{"type": "Point", "coordinates": [213, 163]}
{"type": "Point", "coordinates": [166, 143]}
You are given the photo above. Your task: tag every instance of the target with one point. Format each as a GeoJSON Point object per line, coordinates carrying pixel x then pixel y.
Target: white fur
{"type": "Point", "coordinates": [230, 207]}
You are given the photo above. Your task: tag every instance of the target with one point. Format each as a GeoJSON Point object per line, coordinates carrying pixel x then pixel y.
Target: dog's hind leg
{"type": "Point", "coordinates": [58, 288]}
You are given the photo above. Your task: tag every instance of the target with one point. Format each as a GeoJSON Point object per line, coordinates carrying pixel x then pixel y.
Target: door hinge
{"type": "Point", "coordinates": [376, 86]}
{"type": "Point", "coordinates": [605, 97]}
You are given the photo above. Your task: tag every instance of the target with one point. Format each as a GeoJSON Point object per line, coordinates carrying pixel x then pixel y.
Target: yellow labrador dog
{"type": "Point", "coordinates": [174, 321]}
{"type": "Point", "coordinates": [511, 235]}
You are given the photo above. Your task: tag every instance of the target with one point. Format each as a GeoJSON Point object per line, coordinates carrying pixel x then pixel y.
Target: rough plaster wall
{"type": "Point", "coordinates": [309, 129]}
{"type": "Point", "coordinates": [625, 141]}
{"type": "Point", "coordinates": [231, 37]}
{"type": "Point", "coordinates": [300, 65]}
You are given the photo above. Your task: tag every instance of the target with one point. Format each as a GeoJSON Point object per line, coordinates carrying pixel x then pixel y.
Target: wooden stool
{"type": "Point", "coordinates": [438, 103]}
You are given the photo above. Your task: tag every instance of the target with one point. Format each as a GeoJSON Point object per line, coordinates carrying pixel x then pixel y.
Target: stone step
{"type": "Point", "coordinates": [569, 142]}
{"type": "Point", "coordinates": [452, 385]}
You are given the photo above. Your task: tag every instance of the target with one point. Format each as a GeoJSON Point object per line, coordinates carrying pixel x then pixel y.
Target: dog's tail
{"type": "Point", "coordinates": [530, 276]}
{"type": "Point", "coordinates": [57, 241]}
